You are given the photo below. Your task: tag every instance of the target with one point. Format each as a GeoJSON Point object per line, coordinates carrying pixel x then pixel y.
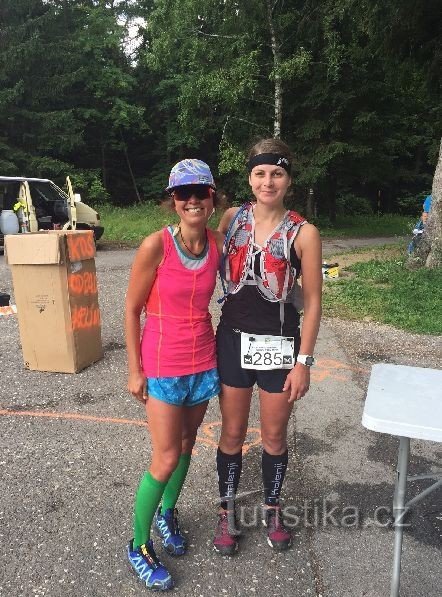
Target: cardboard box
{"type": "Point", "coordinates": [55, 289]}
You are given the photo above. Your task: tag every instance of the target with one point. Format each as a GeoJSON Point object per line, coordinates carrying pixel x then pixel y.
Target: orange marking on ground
{"type": "Point", "coordinates": [332, 364]}
{"type": "Point", "coordinates": [207, 430]}
{"type": "Point", "coordinates": [8, 310]}
{"type": "Point", "coordinates": [209, 442]}
{"type": "Point", "coordinates": [74, 416]}
{"type": "Point", "coordinates": [246, 447]}
{"type": "Point", "coordinates": [323, 374]}
{"type": "Point", "coordinates": [94, 419]}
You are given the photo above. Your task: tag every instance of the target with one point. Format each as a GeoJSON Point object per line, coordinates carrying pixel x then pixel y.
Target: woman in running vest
{"type": "Point", "coordinates": [258, 338]}
{"type": "Point", "coordinates": [173, 369]}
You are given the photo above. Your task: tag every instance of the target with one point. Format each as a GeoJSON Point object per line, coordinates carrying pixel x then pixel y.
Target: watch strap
{"type": "Point", "coordinates": [305, 359]}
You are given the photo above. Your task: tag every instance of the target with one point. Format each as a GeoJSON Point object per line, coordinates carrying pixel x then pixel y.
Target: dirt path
{"type": "Point", "coordinates": [341, 245]}
{"type": "Point", "coordinates": [369, 342]}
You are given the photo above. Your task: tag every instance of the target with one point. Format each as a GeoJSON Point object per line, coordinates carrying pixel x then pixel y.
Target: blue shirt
{"type": "Point", "coordinates": [427, 203]}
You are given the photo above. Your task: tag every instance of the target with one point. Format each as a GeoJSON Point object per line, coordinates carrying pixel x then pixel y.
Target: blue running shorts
{"type": "Point", "coordinates": [184, 390]}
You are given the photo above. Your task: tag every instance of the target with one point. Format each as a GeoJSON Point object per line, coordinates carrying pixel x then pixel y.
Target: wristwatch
{"type": "Point", "coordinates": [305, 359]}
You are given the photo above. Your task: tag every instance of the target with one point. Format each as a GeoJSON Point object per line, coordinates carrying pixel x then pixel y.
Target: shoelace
{"type": "Point", "coordinates": [151, 558]}
{"type": "Point", "coordinates": [275, 520]}
{"type": "Point", "coordinates": [172, 522]}
{"type": "Point", "coordinates": [176, 526]}
{"type": "Point", "coordinates": [224, 526]}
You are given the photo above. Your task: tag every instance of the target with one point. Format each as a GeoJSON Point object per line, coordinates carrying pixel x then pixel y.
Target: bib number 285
{"type": "Point", "coordinates": [266, 352]}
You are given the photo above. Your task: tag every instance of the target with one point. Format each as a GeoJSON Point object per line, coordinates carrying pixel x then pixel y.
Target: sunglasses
{"type": "Point", "coordinates": [199, 191]}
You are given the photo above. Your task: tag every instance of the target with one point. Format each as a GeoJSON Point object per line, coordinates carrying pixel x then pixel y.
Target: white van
{"type": "Point", "coordinates": [44, 206]}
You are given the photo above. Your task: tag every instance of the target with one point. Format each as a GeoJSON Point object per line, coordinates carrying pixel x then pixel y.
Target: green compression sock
{"type": "Point", "coordinates": [147, 500]}
{"type": "Point", "coordinates": [175, 483]}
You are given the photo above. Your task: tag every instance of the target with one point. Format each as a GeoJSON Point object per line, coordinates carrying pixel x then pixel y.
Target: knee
{"type": "Point", "coordinates": [232, 438]}
{"type": "Point", "coordinates": [274, 443]}
{"type": "Point", "coordinates": [164, 464]}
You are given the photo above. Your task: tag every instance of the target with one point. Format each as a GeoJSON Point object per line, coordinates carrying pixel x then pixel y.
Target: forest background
{"type": "Point", "coordinates": [114, 92]}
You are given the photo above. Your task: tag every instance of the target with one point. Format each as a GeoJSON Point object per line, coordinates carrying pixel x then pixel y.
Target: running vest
{"type": "Point", "coordinates": [274, 277]}
{"type": "Point", "coordinates": [178, 336]}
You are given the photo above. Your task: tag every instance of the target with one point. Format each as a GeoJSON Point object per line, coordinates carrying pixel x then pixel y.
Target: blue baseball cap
{"type": "Point", "coordinates": [190, 172]}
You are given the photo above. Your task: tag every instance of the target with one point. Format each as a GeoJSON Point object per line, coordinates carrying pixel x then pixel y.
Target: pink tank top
{"type": "Point", "coordinates": [178, 336]}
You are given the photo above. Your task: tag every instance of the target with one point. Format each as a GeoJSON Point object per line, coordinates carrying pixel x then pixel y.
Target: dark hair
{"type": "Point", "coordinates": [271, 145]}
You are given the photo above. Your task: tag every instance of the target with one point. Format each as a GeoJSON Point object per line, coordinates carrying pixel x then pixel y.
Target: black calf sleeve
{"type": "Point", "coordinates": [229, 468]}
{"type": "Point", "coordinates": [273, 473]}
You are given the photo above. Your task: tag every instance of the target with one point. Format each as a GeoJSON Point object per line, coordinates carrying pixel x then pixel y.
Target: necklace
{"type": "Point", "coordinates": [190, 250]}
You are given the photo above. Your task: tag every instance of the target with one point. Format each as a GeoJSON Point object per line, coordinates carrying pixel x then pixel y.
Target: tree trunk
{"type": "Point", "coordinates": [434, 222]}
{"type": "Point", "coordinates": [331, 191]}
{"type": "Point", "coordinates": [310, 205]}
{"type": "Point", "coordinates": [277, 120]}
{"type": "Point", "coordinates": [129, 167]}
{"type": "Point", "coordinates": [428, 252]}
{"type": "Point", "coordinates": [103, 164]}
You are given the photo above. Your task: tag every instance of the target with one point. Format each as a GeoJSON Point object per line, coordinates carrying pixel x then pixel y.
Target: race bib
{"type": "Point", "coordinates": [267, 352]}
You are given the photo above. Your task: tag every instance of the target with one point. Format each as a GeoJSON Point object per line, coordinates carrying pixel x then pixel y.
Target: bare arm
{"type": "Point", "coordinates": [219, 239]}
{"type": "Point", "coordinates": [141, 279]}
{"type": "Point", "coordinates": [308, 248]}
{"type": "Point", "coordinates": [227, 217]}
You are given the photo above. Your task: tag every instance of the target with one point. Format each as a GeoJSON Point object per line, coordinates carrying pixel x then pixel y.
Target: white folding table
{"type": "Point", "coordinates": [406, 402]}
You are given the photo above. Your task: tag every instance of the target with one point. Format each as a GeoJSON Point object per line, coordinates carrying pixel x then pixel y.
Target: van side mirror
{"type": "Point", "coordinates": [77, 197]}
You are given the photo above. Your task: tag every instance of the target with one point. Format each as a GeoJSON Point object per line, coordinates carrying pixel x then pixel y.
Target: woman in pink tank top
{"type": "Point", "coordinates": [173, 368]}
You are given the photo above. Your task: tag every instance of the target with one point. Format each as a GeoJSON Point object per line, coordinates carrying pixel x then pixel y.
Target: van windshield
{"type": "Point", "coordinates": [49, 202]}
{"type": "Point", "coordinates": [46, 191]}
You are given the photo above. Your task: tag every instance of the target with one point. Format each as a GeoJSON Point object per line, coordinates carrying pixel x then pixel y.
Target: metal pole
{"type": "Point", "coordinates": [399, 511]}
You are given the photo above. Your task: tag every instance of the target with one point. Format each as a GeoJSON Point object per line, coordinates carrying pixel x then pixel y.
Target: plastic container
{"type": "Point", "coordinates": [4, 299]}
{"type": "Point", "coordinates": [9, 222]}
{"type": "Point", "coordinates": [330, 270]}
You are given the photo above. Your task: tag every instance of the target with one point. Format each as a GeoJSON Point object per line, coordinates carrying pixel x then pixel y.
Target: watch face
{"type": "Point", "coordinates": [309, 361]}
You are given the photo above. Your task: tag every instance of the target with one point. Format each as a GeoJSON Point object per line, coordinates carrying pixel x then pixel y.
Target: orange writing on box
{"type": "Point", "coordinates": [81, 247]}
{"type": "Point", "coordinates": [85, 318]}
{"type": "Point", "coordinates": [83, 284]}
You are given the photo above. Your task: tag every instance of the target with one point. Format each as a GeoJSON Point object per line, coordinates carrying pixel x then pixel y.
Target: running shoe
{"type": "Point", "coordinates": [148, 567]}
{"type": "Point", "coordinates": [278, 536]}
{"type": "Point", "coordinates": [226, 537]}
{"type": "Point", "coordinates": [167, 528]}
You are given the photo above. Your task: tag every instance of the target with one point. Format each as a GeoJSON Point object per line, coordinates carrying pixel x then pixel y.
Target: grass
{"type": "Point", "coordinates": [367, 226]}
{"type": "Point", "coordinates": [386, 292]}
{"type": "Point", "coordinates": [129, 225]}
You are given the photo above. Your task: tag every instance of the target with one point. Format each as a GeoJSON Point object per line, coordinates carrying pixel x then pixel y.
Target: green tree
{"type": "Point", "coordinates": [221, 69]}
{"type": "Point", "coordinates": [66, 89]}
{"type": "Point", "coordinates": [36, 127]}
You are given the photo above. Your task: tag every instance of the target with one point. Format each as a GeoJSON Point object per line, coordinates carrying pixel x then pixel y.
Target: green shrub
{"type": "Point", "coordinates": [350, 205]}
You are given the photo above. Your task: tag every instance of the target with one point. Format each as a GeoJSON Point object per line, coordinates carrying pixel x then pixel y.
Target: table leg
{"type": "Point", "coordinates": [399, 512]}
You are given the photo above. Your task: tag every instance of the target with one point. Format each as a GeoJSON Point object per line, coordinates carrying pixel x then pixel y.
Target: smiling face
{"type": "Point", "coordinates": [193, 203]}
{"type": "Point", "coordinates": [269, 184]}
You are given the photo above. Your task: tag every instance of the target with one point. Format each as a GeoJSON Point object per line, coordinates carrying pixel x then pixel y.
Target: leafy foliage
{"type": "Point", "coordinates": [357, 85]}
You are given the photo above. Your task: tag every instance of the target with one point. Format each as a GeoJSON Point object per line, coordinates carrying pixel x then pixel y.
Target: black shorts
{"type": "Point", "coordinates": [228, 347]}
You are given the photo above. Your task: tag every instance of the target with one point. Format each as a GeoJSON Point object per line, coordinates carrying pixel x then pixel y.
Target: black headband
{"type": "Point", "coordinates": [272, 159]}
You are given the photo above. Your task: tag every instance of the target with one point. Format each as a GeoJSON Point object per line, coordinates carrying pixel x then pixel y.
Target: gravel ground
{"type": "Point", "coordinates": [368, 343]}
{"type": "Point", "coordinates": [66, 500]}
